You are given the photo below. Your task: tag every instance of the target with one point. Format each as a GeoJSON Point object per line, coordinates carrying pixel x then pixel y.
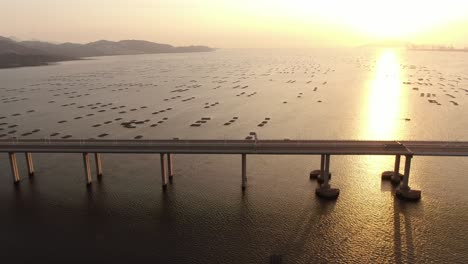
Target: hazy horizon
{"type": "Point", "coordinates": [239, 24]}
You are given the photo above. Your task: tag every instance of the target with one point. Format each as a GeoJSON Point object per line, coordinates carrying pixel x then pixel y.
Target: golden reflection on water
{"type": "Point", "coordinates": [384, 102]}
{"type": "Point", "coordinates": [383, 108]}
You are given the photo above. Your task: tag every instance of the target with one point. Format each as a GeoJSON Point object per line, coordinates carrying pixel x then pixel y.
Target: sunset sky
{"type": "Point", "coordinates": [239, 23]}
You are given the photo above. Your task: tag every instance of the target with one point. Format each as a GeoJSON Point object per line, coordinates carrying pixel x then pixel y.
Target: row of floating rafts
{"type": "Point", "coordinates": [188, 99]}
{"type": "Point", "coordinates": [234, 119]}
{"type": "Point", "coordinates": [172, 98]}
{"type": "Point", "coordinates": [208, 105]}
{"type": "Point", "coordinates": [264, 122]}
{"type": "Point", "coordinates": [133, 123]}
{"type": "Point", "coordinates": [202, 120]}
{"type": "Point", "coordinates": [427, 95]}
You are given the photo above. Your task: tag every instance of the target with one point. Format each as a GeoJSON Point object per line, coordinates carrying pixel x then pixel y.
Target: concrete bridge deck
{"type": "Point", "coordinates": [261, 147]}
{"type": "Point", "coordinates": [166, 148]}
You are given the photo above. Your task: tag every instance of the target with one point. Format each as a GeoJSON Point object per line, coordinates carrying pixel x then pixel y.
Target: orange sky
{"type": "Point", "coordinates": [240, 23]}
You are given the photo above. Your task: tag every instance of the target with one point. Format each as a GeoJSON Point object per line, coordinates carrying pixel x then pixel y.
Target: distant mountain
{"type": "Point", "coordinates": [40, 53]}
{"type": "Point", "coordinates": [10, 46]}
{"type": "Point", "coordinates": [13, 54]}
{"type": "Point", "coordinates": [14, 38]}
{"type": "Point", "coordinates": [11, 60]}
{"type": "Point", "coordinates": [109, 48]}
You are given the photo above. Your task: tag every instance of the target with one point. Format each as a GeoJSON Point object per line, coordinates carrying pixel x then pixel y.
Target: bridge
{"type": "Point", "coordinates": [167, 148]}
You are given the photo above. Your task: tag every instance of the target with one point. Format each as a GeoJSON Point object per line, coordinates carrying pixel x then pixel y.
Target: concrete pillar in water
{"type": "Point", "coordinates": [244, 171]}
{"type": "Point", "coordinates": [30, 163]}
{"type": "Point", "coordinates": [322, 164]}
{"type": "Point", "coordinates": [317, 174]}
{"type": "Point", "coordinates": [325, 172]}
{"type": "Point", "coordinates": [163, 171]}
{"type": "Point", "coordinates": [14, 167]}
{"type": "Point", "coordinates": [395, 179]}
{"type": "Point", "coordinates": [404, 191]}
{"type": "Point", "coordinates": [394, 176]}
{"type": "Point", "coordinates": [169, 167]}
{"type": "Point", "coordinates": [325, 191]}
{"type": "Point", "coordinates": [97, 158]}
{"type": "Point", "coordinates": [87, 168]}
{"type": "Point", "coordinates": [405, 183]}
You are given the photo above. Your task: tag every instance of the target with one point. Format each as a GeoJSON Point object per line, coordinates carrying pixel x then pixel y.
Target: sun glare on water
{"type": "Point", "coordinates": [384, 102]}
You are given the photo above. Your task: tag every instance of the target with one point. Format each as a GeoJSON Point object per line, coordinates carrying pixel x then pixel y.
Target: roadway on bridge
{"type": "Point", "coordinates": [259, 147]}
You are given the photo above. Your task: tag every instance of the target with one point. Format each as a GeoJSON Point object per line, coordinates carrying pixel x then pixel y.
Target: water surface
{"type": "Point", "coordinates": [204, 217]}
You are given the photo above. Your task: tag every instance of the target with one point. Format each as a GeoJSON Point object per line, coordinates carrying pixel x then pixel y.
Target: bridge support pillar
{"type": "Point", "coordinates": [395, 179]}
{"type": "Point", "coordinates": [317, 174]}
{"type": "Point", "coordinates": [163, 171]}
{"type": "Point", "coordinates": [87, 168]}
{"type": "Point", "coordinates": [394, 176]}
{"type": "Point", "coordinates": [244, 171]}
{"type": "Point", "coordinates": [404, 191]}
{"type": "Point", "coordinates": [325, 191]}
{"type": "Point", "coordinates": [169, 167]}
{"type": "Point", "coordinates": [14, 167]}
{"type": "Point", "coordinates": [97, 158]}
{"type": "Point", "coordinates": [30, 163]}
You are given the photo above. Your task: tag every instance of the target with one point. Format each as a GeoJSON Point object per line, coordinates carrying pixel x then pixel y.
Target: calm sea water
{"type": "Point", "coordinates": [204, 217]}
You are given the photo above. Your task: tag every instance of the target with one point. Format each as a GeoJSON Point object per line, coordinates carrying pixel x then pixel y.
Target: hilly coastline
{"type": "Point", "coordinates": [35, 53]}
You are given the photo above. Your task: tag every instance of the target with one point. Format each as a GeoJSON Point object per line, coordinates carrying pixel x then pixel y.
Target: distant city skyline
{"type": "Point", "coordinates": [241, 23]}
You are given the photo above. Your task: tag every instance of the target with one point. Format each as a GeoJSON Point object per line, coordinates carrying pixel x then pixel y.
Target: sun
{"type": "Point", "coordinates": [398, 18]}
{"type": "Point", "coordinates": [385, 26]}
{"type": "Point", "coordinates": [378, 18]}
{"type": "Point", "coordinates": [391, 21]}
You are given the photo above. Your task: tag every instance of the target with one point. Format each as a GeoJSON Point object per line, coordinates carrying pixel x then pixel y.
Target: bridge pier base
{"type": "Point", "coordinates": [14, 167]}
{"type": "Point", "coordinates": [325, 191]}
{"type": "Point", "coordinates": [169, 167]}
{"type": "Point", "coordinates": [394, 176]}
{"type": "Point", "coordinates": [404, 191]}
{"type": "Point", "coordinates": [97, 158]}
{"type": "Point", "coordinates": [244, 171]}
{"type": "Point", "coordinates": [87, 168]}
{"type": "Point", "coordinates": [163, 171]}
{"type": "Point", "coordinates": [30, 163]}
{"type": "Point", "coordinates": [317, 174]}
